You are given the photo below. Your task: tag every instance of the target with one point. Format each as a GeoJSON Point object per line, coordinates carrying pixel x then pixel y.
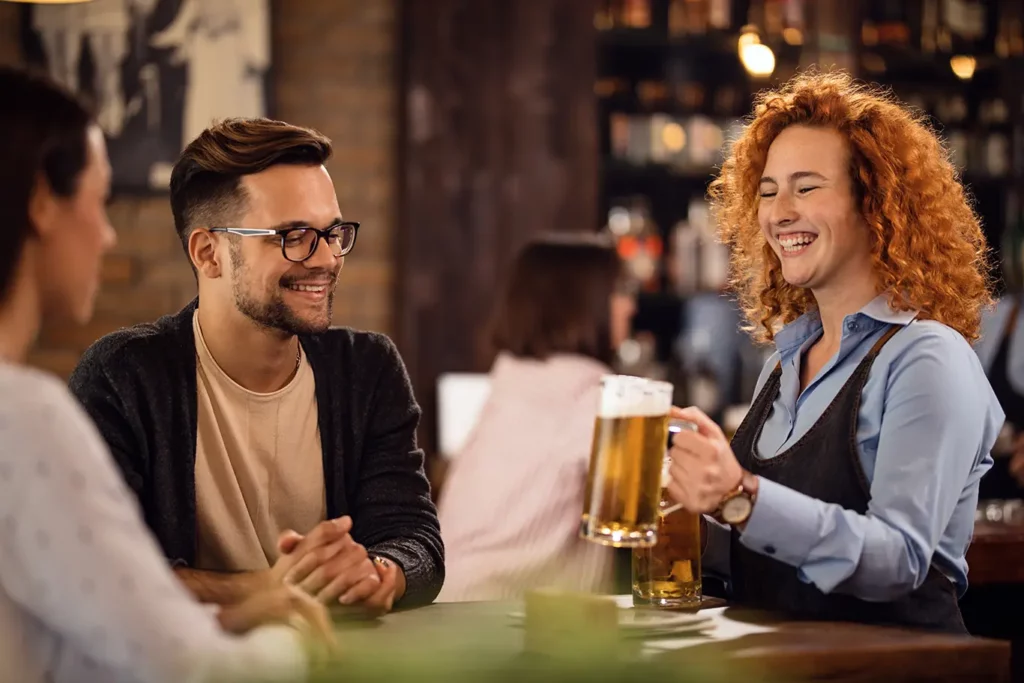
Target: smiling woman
{"type": "Point", "coordinates": [898, 178]}
{"type": "Point", "coordinates": [855, 251]}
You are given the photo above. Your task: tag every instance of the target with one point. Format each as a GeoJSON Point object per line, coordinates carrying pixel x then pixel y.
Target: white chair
{"type": "Point", "coordinates": [460, 398]}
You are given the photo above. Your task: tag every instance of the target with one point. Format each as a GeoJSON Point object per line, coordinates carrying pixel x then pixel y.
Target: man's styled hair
{"type": "Point", "coordinates": [206, 183]}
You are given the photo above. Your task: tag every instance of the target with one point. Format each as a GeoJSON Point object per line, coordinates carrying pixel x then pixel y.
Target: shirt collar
{"type": "Point", "coordinates": [793, 335]}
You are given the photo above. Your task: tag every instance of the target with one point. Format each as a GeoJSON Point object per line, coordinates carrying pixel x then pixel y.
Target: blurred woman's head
{"type": "Point", "coordinates": [834, 186]}
{"type": "Point", "coordinates": [54, 184]}
{"type": "Point", "coordinates": [566, 294]}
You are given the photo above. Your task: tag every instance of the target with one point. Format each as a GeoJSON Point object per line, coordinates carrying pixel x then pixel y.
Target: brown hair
{"type": "Point", "coordinates": [206, 187]}
{"type": "Point", "coordinates": [43, 131]}
{"type": "Point", "coordinates": [928, 248]}
{"type": "Point", "coordinates": [556, 299]}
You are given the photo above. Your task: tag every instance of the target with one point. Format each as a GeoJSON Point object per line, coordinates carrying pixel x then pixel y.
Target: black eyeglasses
{"type": "Point", "coordinates": [299, 242]}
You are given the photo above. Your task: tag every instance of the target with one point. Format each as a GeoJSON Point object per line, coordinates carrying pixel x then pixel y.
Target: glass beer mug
{"type": "Point", "coordinates": [623, 499]}
{"type": "Point", "coordinates": [668, 574]}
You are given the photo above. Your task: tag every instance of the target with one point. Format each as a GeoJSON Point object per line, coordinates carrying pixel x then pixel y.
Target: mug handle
{"type": "Point", "coordinates": [674, 427]}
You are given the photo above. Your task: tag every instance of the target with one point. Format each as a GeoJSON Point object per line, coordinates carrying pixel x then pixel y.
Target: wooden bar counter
{"type": "Point", "coordinates": [758, 642]}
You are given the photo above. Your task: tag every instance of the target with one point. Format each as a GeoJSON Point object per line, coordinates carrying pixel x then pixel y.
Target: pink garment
{"type": "Point", "coordinates": [510, 510]}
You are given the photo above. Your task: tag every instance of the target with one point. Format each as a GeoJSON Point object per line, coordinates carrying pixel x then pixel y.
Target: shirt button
{"type": "Point", "coordinates": [851, 326]}
{"type": "Point", "coordinates": [770, 549]}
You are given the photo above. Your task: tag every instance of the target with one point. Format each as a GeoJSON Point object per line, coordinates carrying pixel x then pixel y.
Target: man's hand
{"type": "Point", "coordinates": [704, 469]}
{"type": "Point", "coordinates": [340, 572]}
{"type": "Point", "coordinates": [301, 556]}
{"type": "Point", "coordinates": [392, 586]}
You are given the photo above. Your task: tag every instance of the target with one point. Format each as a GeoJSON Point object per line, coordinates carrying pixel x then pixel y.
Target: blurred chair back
{"type": "Point", "coordinates": [460, 398]}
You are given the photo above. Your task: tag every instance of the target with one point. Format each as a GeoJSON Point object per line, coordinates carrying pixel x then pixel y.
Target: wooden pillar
{"type": "Point", "coordinates": [498, 143]}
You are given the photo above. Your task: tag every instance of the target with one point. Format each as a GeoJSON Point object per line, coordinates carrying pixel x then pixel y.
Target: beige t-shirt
{"type": "Point", "coordinates": [259, 465]}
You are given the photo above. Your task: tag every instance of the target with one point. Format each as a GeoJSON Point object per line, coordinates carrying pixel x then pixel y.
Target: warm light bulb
{"type": "Point", "coordinates": [963, 66]}
{"type": "Point", "coordinates": [748, 37]}
{"type": "Point", "coordinates": [758, 59]}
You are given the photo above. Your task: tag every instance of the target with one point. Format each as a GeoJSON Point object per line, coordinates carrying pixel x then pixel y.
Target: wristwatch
{"type": "Point", "coordinates": [737, 505]}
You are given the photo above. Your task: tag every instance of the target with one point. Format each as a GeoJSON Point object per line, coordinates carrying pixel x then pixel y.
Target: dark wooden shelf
{"type": "Point", "coordinates": [721, 43]}
{"type": "Point", "coordinates": [626, 103]}
{"type": "Point", "coordinates": [616, 170]}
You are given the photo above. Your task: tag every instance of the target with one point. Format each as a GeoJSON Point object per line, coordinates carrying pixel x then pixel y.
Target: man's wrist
{"type": "Point", "coordinates": [400, 585]}
{"type": "Point", "coordinates": [259, 580]}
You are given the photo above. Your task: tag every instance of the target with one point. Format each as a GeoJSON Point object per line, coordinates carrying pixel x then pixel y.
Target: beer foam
{"type": "Point", "coordinates": [625, 396]}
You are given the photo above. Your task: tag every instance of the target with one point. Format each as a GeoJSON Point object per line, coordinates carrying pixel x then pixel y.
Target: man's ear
{"type": "Point", "coordinates": [202, 250]}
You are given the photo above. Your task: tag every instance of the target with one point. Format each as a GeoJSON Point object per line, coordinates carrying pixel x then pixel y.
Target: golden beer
{"type": "Point", "coordinates": [623, 490]}
{"type": "Point", "coordinates": [667, 575]}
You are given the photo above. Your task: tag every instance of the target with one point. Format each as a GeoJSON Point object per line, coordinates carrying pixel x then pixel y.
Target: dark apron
{"type": "Point", "coordinates": [824, 464]}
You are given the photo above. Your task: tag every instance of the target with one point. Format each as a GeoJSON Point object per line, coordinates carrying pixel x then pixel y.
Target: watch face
{"type": "Point", "coordinates": [736, 510]}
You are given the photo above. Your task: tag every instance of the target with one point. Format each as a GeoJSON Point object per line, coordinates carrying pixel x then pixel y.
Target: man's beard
{"type": "Point", "coordinates": [275, 314]}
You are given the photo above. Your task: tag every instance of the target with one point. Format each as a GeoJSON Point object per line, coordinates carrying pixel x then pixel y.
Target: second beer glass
{"type": "Point", "coordinates": [668, 575]}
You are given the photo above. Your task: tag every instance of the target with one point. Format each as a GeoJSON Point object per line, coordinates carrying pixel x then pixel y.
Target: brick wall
{"type": "Point", "coordinates": [335, 70]}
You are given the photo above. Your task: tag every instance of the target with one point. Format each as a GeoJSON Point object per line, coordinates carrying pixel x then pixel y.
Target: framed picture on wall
{"type": "Point", "coordinates": [157, 71]}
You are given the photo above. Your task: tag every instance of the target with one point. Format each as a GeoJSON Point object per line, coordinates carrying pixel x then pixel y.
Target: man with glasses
{"type": "Point", "coordinates": [245, 423]}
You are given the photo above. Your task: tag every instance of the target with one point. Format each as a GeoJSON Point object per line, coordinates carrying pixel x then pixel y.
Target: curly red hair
{"type": "Point", "coordinates": [928, 248]}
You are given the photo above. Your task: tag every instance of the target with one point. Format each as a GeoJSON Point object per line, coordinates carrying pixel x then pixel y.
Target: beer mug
{"type": "Point", "coordinates": [623, 494]}
{"type": "Point", "coordinates": [668, 574]}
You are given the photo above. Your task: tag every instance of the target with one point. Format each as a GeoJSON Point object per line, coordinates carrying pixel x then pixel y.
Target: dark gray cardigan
{"type": "Point", "coordinates": [139, 386]}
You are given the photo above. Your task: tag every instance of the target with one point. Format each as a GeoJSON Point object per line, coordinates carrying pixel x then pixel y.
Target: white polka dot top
{"type": "Point", "coordinates": [85, 594]}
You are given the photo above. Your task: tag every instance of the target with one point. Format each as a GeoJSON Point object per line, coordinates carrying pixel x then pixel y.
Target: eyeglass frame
{"type": "Point", "coordinates": [283, 232]}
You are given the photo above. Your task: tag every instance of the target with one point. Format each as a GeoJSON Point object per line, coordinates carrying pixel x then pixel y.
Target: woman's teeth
{"type": "Point", "coordinates": [792, 243]}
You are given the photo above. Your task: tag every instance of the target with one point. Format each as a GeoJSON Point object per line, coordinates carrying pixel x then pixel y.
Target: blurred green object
{"type": "Point", "coordinates": [480, 643]}
{"type": "Point", "coordinates": [577, 662]}
{"type": "Point", "coordinates": [422, 668]}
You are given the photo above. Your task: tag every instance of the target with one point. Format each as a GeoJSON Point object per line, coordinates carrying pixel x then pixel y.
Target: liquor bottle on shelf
{"type": "Point", "coordinates": [720, 14]}
{"type": "Point", "coordinates": [1016, 32]}
{"type": "Point", "coordinates": [891, 23]}
{"type": "Point", "coordinates": [611, 14]}
{"type": "Point", "coordinates": [687, 17]}
{"type": "Point", "coordinates": [1010, 37]}
{"type": "Point", "coordinates": [774, 18]}
{"type": "Point", "coordinates": [699, 262]}
{"type": "Point", "coordinates": [652, 94]}
{"type": "Point", "coordinates": [638, 241]}
{"type": "Point", "coordinates": [684, 266]}
{"type": "Point", "coordinates": [930, 26]}
{"type": "Point", "coordinates": [994, 143]}
{"type": "Point", "coordinates": [619, 131]}
{"type": "Point", "coordinates": [604, 16]}
{"type": "Point", "coordinates": [668, 140]}
{"type": "Point", "coordinates": [631, 138]}
{"type": "Point", "coordinates": [965, 20]}
{"type": "Point", "coordinates": [636, 13]}
{"type": "Point", "coordinates": [714, 256]}
{"type": "Point", "coordinates": [795, 20]}
{"type": "Point", "coordinates": [705, 139]}
{"type": "Point", "coordinates": [952, 112]}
